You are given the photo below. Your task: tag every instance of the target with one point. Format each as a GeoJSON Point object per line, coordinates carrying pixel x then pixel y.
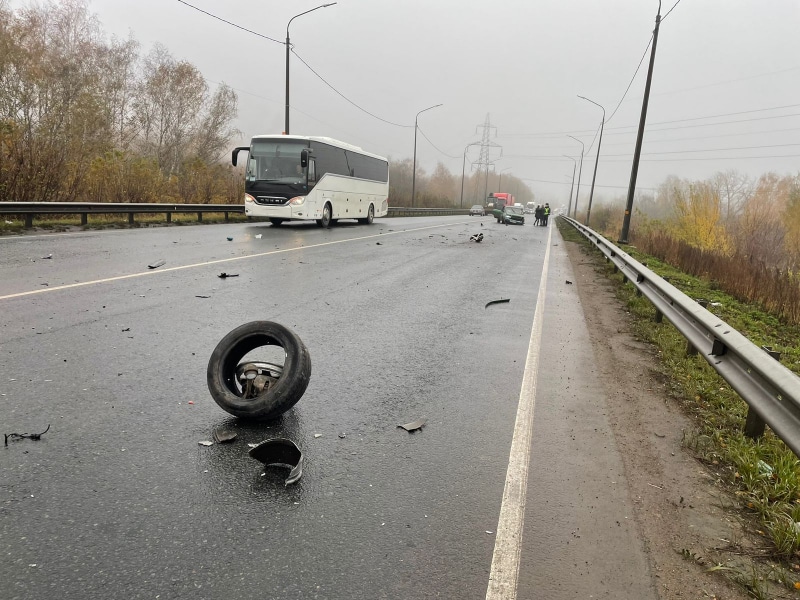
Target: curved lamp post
{"type": "Point", "coordinates": [286, 124]}
{"type": "Point", "coordinates": [500, 182]}
{"type": "Point", "coordinates": [414, 165]}
{"type": "Point", "coordinates": [580, 171]}
{"type": "Point", "coordinates": [463, 170]}
{"type": "Point", "coordinates": [596, 160]}
{"type": "Point", "coordinates": [572, 187]}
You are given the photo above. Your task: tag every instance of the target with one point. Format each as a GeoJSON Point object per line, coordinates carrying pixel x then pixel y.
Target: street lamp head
{"type": "Point", "coordinates": [577, 140]}
{"type": "Point", "coordinates": [595, 103]}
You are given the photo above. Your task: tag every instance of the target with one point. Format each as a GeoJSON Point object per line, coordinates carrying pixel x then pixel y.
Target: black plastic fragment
{"type": "Point", "coordinates": [281, 452]}
{"type": "Point", "coordinates": [223, 275]}
{"type": "Point", "coordinates": [158, 263]}
{"type": "Point", "coordinates": [496, 302]}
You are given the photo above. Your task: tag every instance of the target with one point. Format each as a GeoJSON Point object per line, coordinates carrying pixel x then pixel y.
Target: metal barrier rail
{"type": "Point", "coordinates": [771, 391]}
{"type": "Point", "coordinates": [31, 209]}
{"type": "Point", "coordinates": [399, 211]}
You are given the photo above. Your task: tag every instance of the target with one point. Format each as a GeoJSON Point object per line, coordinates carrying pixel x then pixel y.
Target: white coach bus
{"type": "Point", "coordinates": [293, 177]}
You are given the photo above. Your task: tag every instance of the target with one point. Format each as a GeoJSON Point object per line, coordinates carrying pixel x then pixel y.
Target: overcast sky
{"type": "Point", "coordinates": [522, 62]}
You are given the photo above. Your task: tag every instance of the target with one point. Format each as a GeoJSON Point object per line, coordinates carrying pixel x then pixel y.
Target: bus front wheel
{"type": "Point", "coordinates": [325, 221]}
{"type": "Point", "coordinates": [253, 389]}
{"type": "Point", "coordinates": [370, 216]}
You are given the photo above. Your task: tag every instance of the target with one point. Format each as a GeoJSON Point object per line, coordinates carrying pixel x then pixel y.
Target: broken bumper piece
{"type": "Point", "coordinates": [280, 452]}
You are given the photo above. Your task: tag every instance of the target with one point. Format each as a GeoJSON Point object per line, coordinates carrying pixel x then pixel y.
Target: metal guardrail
{"type": "Point", "coordinates": [400, 211]}
{"type": "Point", "coordinates": [30, 209]}
{"type": "Point", "coordinates": [771, 391]}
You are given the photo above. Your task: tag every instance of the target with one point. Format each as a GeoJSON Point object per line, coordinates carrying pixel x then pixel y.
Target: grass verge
{"type": "Point", "coordinates": [762, 475]}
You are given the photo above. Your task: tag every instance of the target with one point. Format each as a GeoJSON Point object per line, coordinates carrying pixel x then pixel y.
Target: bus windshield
{"type": "Point", "coordinates": [276, 160]}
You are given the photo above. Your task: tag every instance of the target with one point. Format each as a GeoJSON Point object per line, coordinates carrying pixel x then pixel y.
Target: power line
{"type": "Point", "coordinates": [213, 16]}
{"type": "Point", "coordinates": [700, 87]}
{"type": "Point", "coordinates": [261, 35]}
{"type": "Point", "coordinates": [632, 78]}
{"type": "Point", "coordinates": [670, 10]}
{"type": "Point", "coordinates": [345, 97]}
{"type": "Point", "coordinates": [743, 112]}
{"type": "Point", "coordinates": [434, 145]}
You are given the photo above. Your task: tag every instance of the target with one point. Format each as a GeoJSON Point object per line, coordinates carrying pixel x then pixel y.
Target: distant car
{"type": "Point", "coordinates": [515, 215]}
{"type": "Point", "coordinates": [477, 210]}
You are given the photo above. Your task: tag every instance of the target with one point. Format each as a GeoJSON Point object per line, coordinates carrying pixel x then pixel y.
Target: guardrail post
{"type": "Point", "coordinates": [199, 217]}
{"type": "Point", "coordinates": [754, 425]}
{"type": "Point", "coordinates": [169, 217]}
{"type": "Point", "coordinates": [226, 215]}
{"type": "Point", "coordinates": [690, 350]}
{"type": "Point", "coordinates": [130, 219]}
{"type": "Point", "coordinates": [84, 218]}
{"type": "Point", "coordinates": [29, 221]}
{"type": "Point", "coordinates": [659, 316]}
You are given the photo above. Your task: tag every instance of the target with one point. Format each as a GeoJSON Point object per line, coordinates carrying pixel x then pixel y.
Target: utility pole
{"type": "Point", "coordinates": [626, 221]}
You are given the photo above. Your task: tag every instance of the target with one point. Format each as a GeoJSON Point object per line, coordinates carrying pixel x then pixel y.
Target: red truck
{"type": "Point", "coordinates": [500, 199]}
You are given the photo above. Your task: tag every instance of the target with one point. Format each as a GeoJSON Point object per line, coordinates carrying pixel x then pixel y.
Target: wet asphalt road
{"type": "Point", "coordinates": [118, 500]}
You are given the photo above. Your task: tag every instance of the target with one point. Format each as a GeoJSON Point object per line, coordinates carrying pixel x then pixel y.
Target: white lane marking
{"type": "Point", "coordinates": [507, 545]}
{"type": "Point", "coordinates": [215, 262]}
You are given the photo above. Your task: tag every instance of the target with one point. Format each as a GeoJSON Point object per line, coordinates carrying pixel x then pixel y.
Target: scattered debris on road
{"type": "Point", "coordinates": [230, 239]}
{"type": "Point", "coordinates": [342, 435]}
{"type": "Point", "coordinates": [568, 282]}
{"type": "Point", "coordinates": [414, 425]}
{"type": "Point", "coordinates": [126, 329]}
{"type": "Point", "coordinates": [22, 436]}
{"type": "Point", "coordinates": [222, 436]}
{"type": "Point", "coordinates": [259, 236]}
{"type": "Point", "coordinates": [223, 275]}
{"type": "Point", "coordinates": [478, 237]}
{"type": "Point", "coordinates": [206, 443]}
{"type": "Point", "coordinates": [47, 257]}
{"type": "Point", "coordinates": [501, 301]}
{"type": "Point", "coordinates": [280, 452]}
{"type": "Point", "coordinates": [158, 263]}
{"type": "Point", "coordinates": [202, 296]}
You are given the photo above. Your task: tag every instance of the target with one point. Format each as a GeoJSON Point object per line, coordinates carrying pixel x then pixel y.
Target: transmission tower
{"type": "Point", "coordinates": [490, 152]}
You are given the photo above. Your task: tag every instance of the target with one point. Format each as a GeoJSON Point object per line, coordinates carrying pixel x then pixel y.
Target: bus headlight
{"type": "Point", "coordinates": [249, 198]}
{"type": "Point", "coordinates": [297, 200]}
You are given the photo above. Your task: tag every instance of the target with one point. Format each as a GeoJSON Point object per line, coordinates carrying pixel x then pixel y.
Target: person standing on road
{"type": "Point", "coordinates": [546, 212]}
{"type": "Point", "coordinates": [537, 215]}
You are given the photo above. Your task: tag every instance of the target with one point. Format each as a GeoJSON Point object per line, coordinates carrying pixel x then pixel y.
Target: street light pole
{"type": "Point", "coordinates": [414, 166]}
{"type": "Point", "coordinates": [463, 170]}
{"type": "Point", "coordinates": [580, 172]}
{"type": "Point", "coordinates": [572, 187]}
{"type": "Point", "coordinates": [596, 160]}
{"type": "Point", "coordinates": [626, 221]}
{"type": "Point", "coordinates": [288, 46]}
{"type": "Point", "coordinates": [499, 183]}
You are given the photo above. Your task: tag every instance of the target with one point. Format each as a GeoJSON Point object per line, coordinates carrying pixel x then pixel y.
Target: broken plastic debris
{"type": "Point", "coordinates": [568, 282]}
{"type": "Point", "coordinates": [342, 435]}
{"type": "Point", "coordinates": [501, 301]}
{"type": "Point", "coordinates": [258, 236]}
{"type": "Point", "coordinates": [22, 436]}
{"type": "Point", "coordinates": [202, 296]}
{"type": "Point", "coordinates": [478, 237]}
{"type": "Point", "coordinates": [223, 275]}
{"type": "Point", "coordinates": [230, 239]}
{"type": "Point", "coordinates": [158, 263]}
{"type": "Point", "coordinates": [221, 436]}
{"type": "Point", "coordinates": [46, 257]}
{"type": "Point", "coordinates": [414, 425]}
{"type": "Point", "coordinates": [206, 443]}
{"type": "Point", "coordinates": [280, 452]}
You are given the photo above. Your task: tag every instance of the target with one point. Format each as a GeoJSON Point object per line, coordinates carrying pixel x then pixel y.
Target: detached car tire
{"type": "Point", "coordinates": [275, 399]}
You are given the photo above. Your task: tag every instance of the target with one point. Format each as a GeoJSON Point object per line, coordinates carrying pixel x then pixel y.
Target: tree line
{"type": "Point", "coordinates": [739, 231]}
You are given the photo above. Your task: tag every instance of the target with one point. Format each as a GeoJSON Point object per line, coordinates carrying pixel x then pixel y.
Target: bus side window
{"type": "Point", "coordinates": [312, 170]}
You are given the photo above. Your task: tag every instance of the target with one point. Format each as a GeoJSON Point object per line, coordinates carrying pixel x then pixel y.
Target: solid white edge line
{"type": "Point", "coordinates": [507, 545]}
{"type": "Point", "coordinates": [216, 262]}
